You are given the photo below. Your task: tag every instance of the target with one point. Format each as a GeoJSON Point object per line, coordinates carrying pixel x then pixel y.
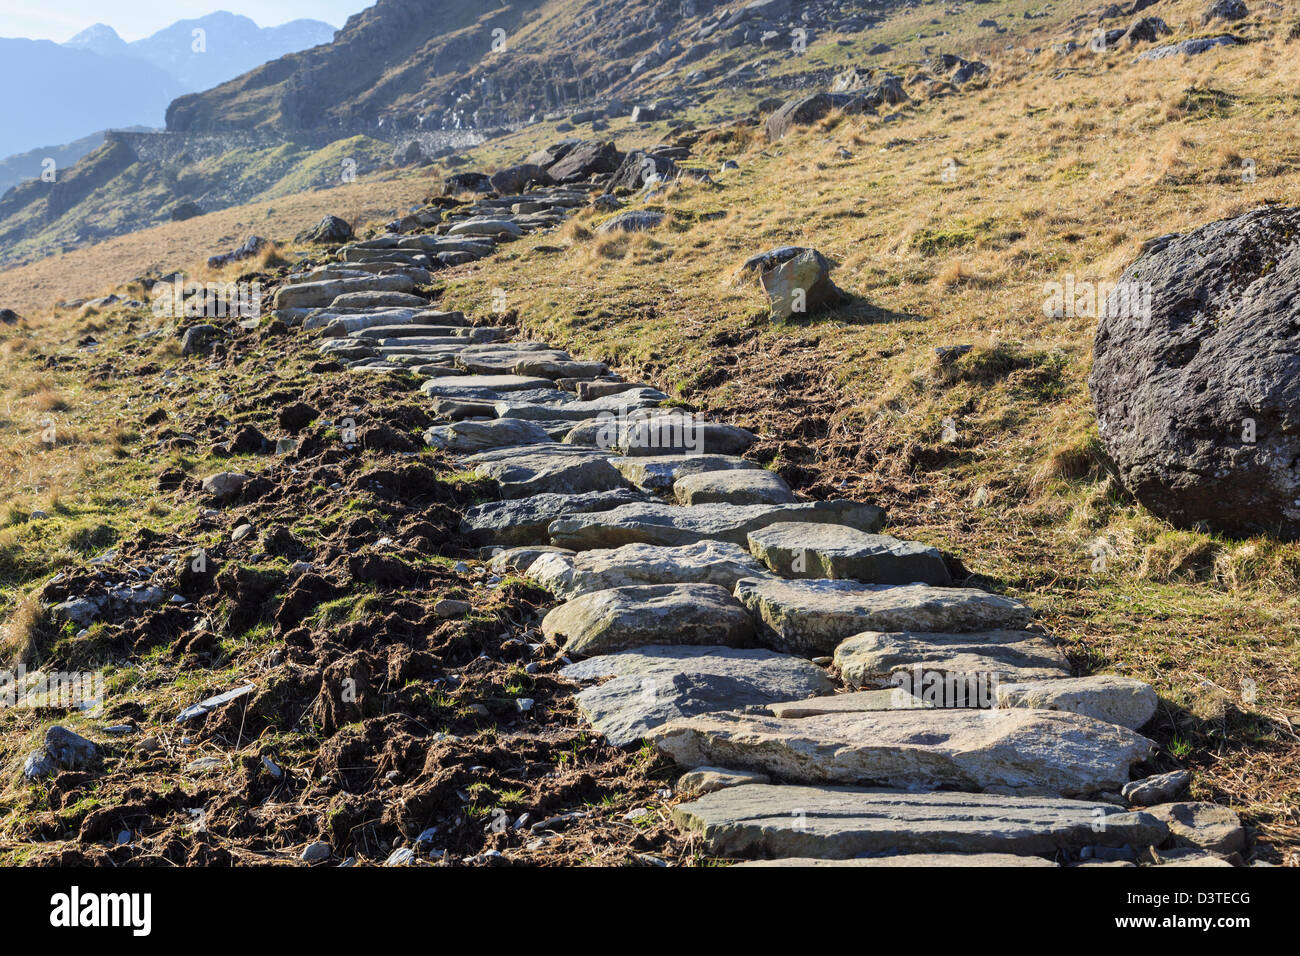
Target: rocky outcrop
{"type": "Point", "coordinates": [1196, 375]}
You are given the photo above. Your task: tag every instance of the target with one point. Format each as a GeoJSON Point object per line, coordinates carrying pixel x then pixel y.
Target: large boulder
{"type": "Point", "coordinates": [1225, 10]}
{"type": "Point", "coordinates": [805, 111]}
{"type": "Point", "coordinates": [796, 280]}
{"type": "Point", "coordinates": [329, 230]}
{"type": "Point", "coordinates": [1196, 375]}
{"type": "Point", "coordinates": [515, 179]}
{"type": "Point", "coordinates": [584, 160]}
{"type": "Point", "coordinates": [638, 168]}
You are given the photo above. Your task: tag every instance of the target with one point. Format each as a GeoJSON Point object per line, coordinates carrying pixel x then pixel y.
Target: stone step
{"type": "Point", "coordinates": [603, 411]}
{"type": "Point", "coordinates": [814, 616]}
{"type": "Point", "coordinates": [378, 300]}
{"type": "Point", "coordinates": [1117, 700]}
{"type": "Point", "coordinates": [316, 294]}
{"type": "Point", "coordinates": [547, 469]}
{"type": "Point", "coordinates": [1027, 751]}
{"type": "Point", "coordinates": [873, 658]}
{"type": "Point", "coordinates": [801, 550]}
{"type": "Point", "coordinates": [652, 685]}
{"type": "Point", "coordinates": [855, 702]}
{"type": "Point", "coordinates": [421, 330]}
{"type": "Point", "coordinates": [601, 622]}
{"type": "Point", "coordinates": [737, 486]}
{"type": "Point", "coordinates": [489, 387]}
{"type": "Point", "coordinates": [675, 525]}
{"type": "Point", "coordinates": [569, 574]}
{"type": "Point", "coordinates": [472, 436]}
{"type": "Point", "coordinates": [661, 472]}
{"type": "Point", "coordinates": [504, 361]}
{"type": "Point", "coordinates": [843, 822]}
{"type": "Point", "coordinates": [525, 521]}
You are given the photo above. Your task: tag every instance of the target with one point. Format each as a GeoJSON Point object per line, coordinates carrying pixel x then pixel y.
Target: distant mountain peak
{"type": "Point", "coordinates": [99, 38]}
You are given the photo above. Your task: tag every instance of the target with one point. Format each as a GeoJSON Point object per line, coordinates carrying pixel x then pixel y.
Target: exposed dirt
{"type": "Point", "coordinates": [374, 717]}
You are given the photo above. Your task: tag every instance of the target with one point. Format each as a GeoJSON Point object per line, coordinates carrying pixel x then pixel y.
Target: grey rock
{"type": "Point", "coordinates": [1012, 750]}
{"type": "Point", "coordinates": [1221, 299]}
{"type": "Point", "coordinates": [472, 436]}
{"type": "Point", "coordinates": [619, 618]}
{"type": "Point", "coordinates": [1117, 700]}
{"type": "Point", "coordinates": [1205, 826]}
{"type": "Point", "coordinates": [224, 485]}
{"type": "Point", "coordinates": [205, 707]}
{"type": "Point", "coordinates": [1190, 47]}
{"type": "Point", "coordinates": [650, 686]}
{"type": "Point", "coordinates": [631, 220]}
{"type": "Point", "coordinates": [739, 486]}
{"type": "Point", "coordinates": [316, 853]}
{"type": "Point", "coordinates": [799, 550]}
{"type": "Point", "coordinates": [481, 386]}
{"type": "Point", "coordinates": [317, 294]}
{"type": "Point", "coordinates": [62, 750]}
{"type": "Point", "coordinates": [525, 521]}
{"type": "Point", "coordinates": [568, 573]}
{"type": "Point", "coordinates": [857, 702]}
{"type": "Point", "coordinates": [795, 279]}
{"type": "Point", "coordinates": [874, 657]}
{"type": "Point", "coordinates": [814, 616]}
{"type": "Point", "coordinates": [330, 230]}
{"type": "Point", "coordinates": [547, 469]}
{"type": "Point", "coordinates": [675, 525]}
{"type": "Point", "coordinates": [708, 779]}
{"type": "Point", "coordinates": [198, 338]}
{"type": "Point", "coordinates": [842, 822]}
{"type": "Point", "coordinates": [804, 111]}
{"type": "Point", "coordinates": [660, 472]}
{"type": "Point", "coordinates": [1225, 10]}
{"type": "Point", "coordinates": [1159, 788]}
{"type": "Point", "coordinates": [523, 557]}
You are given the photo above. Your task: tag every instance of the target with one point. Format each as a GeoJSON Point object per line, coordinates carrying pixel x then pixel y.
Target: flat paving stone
{"type": "Point", "coordinates": [814, 616]}
{"type": "Point", "coordinates": [738, 486]}
{"type": "Point", "coordinates": [618, 618]}
{"type": "Point", "coordinates": [874, 657]}
{"type": "Point", "coordinates": [1205, 826]}
{"type": "Point", "coordinates": [573, 410]}
{"type": "Point", "coordinates": [653, 685]}
{"type": "Point", "coordinates": [704, 562]}
{"type": "Point", "coordinates": [472, 436]}
{"type": "Point", "coordinates": [802, 550]}
{"type": "Point", "coordinates": [844, 822]}
{"type": "Point", "coordinates": [480, 386]}
{"type": "Point", "coordinates": [856, 702]}
{"type": "Point", "coordinates": [547, 469]}
{"type": "Point", "coordinates": [1117, 700]}
{"type": "Point", "coordinates": [675, 525]}
{"type": "Point", "coordinates": [1034, 751]}
{"type": "Point", "coordinates": [502, 361]}
{"type": "Point", "coordinates": [660, 472]}
{"type": "Point", "coordinates": [525, 521]}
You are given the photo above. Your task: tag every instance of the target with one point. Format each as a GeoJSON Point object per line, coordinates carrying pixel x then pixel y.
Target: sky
{"type": "Point", "coordinates": [60, 20]}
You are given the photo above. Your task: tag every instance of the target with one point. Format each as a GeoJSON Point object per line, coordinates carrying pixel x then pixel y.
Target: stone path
{"type": "Point", "coordinates": [829, 691]}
